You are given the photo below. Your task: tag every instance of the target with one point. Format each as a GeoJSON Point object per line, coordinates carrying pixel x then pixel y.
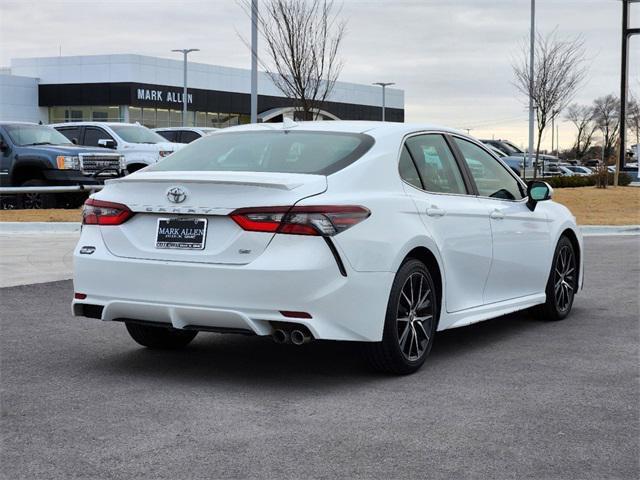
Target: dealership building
{"type": "Point", "coordinates": [136, 88]}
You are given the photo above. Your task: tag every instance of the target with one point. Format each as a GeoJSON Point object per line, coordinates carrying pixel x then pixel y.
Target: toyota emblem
{"type": "Point", "coordinates": [176, 195]}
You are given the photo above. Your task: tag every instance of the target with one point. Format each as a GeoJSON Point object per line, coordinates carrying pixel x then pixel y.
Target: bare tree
{"type": "Point", "coordinates": [606, 115]}
{"type": "Point", "coordinates": [559, 70]}
{"type": "Point", "coordinates": [302, 39]}
{"type": "Point", "coordinates": [633, 118]}
{"type": "Point", "coordinates": [582, 118]}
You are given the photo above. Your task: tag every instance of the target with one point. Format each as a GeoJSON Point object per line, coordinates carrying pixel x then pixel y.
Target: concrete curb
{"type": "Point", "coordinates": [602, 230]}
{"type": "Point", "coordinates": [74, 227]}
{"type": "Point", "coordinates": [39, 227]}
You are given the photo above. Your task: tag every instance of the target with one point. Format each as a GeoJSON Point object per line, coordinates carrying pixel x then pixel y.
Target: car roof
{"type": "Point", "coordinates": [93, 124]}
{"type": "Point", "coordinates": [347, 126]}
{"type": "Point", "coordinates": [191, 129]}
{"type": "Point", "coordinates": [21, 123]}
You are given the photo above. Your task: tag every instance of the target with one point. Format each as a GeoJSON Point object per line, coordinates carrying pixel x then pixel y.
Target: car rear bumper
{"type": "Point", "coordinates": [295, 273]}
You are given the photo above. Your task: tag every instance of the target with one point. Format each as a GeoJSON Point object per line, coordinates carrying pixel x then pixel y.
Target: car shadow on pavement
{"type": "Point", "coordinates": [215, 358]}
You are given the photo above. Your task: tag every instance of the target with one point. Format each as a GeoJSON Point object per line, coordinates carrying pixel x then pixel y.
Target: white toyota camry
{"type": "Point", "coordinates": [379, 233]}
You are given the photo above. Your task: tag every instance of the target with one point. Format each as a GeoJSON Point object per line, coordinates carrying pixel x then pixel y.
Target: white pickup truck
{"type": "Point", "coordinates": [139, 145]}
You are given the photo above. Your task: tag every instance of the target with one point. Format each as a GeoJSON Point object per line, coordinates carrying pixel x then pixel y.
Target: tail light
{"type": "Point", "coordinates": [98, 212]}
{"type": "Point", "coordinates": [318, 220]}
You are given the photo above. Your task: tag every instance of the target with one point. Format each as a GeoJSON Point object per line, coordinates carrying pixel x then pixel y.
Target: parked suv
{"type": "Point", "coordinates": [184, 134]}
{"type": "Point", "coordinates": [37, 155]}
{"type": "Point", "coordinates": [139, 145]}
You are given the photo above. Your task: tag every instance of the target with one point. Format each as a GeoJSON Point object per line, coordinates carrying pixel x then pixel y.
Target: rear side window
{"type": "Point", "coordinates": [437, 165]}
{"type": "Point", "coordinates": [72, 133]}
{"type": "Point", "coordinates": [283, 151]}
{"type": "Point", "coordinates": [408, 170]}
{"type": "Point", "coordinates": [188, 136]}
{"type": "Point", "coordinates": [170, 135]}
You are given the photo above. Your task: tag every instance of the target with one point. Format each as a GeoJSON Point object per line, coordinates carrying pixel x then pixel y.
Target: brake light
{"type": "Point", "coordinates": [98, 212]}
{"type": "Point", "coordinates": [318, 220]}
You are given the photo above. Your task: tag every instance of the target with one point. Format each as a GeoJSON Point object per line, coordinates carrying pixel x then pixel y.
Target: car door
{"type": "Point", "coordinates": [6, 159]}
{"type": "Point", "coordinates": [455, 219]}
{"type": "Point", "coordinates": [521, 249]}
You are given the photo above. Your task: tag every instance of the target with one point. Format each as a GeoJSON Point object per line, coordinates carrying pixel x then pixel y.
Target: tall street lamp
{"type": "Point", "coordinates": [185, 52]}
{"type": "Point", "coordinates": [532, 41]}
{"type": "Point", "coordinates": [384, 85]}
{"type": "Point", "coordinates": [254, 61]}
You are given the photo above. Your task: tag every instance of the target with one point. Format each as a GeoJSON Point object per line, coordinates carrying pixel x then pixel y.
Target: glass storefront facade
{"type": "Point", "coordinates": [86, 114]}
{"type": "Point", "coordinates": [149, 117]}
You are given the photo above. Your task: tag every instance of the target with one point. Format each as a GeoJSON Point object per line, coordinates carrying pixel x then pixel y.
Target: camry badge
{"type": "Point", "coordinates": [176, 195]}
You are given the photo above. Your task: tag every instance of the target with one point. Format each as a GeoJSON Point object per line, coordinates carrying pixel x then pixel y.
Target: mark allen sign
{"type": "Point", "coordinates": [162, 96]}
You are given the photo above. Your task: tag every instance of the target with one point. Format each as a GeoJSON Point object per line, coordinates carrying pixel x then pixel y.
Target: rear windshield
{"type": "Point", "coordinates": [283, 151]}
{"type": "Point", "coordinates": [137, 134]}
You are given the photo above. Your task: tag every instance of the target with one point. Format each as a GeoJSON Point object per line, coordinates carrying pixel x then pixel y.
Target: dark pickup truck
{"type": "Point", "coordinates": [37, 155]}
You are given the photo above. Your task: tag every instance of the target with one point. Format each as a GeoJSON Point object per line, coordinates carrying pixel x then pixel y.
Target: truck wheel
{"type": "Point", "coordinates": [160, 337]}
{"type": "Point", "coordinates": [36, 200]}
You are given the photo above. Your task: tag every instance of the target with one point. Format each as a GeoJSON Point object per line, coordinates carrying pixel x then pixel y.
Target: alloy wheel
{"type": "Point", "coordinates": [414, 319]}
{"type": "Point", "coordinates": [32, 200]}
{"type": "Point", "coordinates": [564, 278]}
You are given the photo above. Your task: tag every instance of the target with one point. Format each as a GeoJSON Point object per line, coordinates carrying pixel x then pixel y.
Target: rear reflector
{"type": "Point", "coordinates": [318, 220]}
{"type": "Point", "coordinates": [292, 314]}
{"type": "Point", "coordinates": [98, 212]}
{"type": "Point", "coordinates": [79, 296]}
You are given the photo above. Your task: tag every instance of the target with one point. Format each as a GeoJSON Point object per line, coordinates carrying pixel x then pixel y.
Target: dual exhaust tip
{"type": "Point", "coordinates": [294, 336]}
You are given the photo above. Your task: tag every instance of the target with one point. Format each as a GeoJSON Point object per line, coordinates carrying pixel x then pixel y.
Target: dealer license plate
{"type": "Point", "coordinates": [181, 233]}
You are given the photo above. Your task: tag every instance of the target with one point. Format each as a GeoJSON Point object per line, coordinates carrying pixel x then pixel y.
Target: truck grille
{"type": "Point", "coordinates": [90, 164]}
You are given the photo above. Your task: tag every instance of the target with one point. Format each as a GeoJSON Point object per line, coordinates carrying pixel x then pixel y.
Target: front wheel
{"type": "Point", "coordinates": [410, 322]}
{"type": "Point", "coordinates": [562, 283]}
{"type": "Point", "coordinates": [160, 337]}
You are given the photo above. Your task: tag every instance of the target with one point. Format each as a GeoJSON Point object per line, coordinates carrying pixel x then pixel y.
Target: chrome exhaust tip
{"type": "Point", "coordinates": [298, 337]}
{"type": "Point", "coordinates": [280, 336]}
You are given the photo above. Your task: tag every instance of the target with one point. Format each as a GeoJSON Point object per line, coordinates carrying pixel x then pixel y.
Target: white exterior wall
{"type": "Point", "coordinates": [19, 99]}
{"type": "Point", "coordinates": [161, 71]}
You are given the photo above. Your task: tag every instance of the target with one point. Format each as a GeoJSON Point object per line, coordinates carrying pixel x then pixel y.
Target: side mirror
{"type": "Point", "coordinates": [3, 146]}
{"type": "Point", "coordinates": [538, 191]}
{"type": "Point", "coordinates": [107, 143]}
{"type": "Point", "coordinates": [74, 141]}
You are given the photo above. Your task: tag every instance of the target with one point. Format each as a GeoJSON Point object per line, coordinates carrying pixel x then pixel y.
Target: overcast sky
{"type": "Point", "coordinates": [452, 58]}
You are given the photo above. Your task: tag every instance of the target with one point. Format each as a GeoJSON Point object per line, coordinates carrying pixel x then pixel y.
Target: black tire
{"type": "Point", "coordinates": [36, 200]}
{"type": "Point", "coordinates": [562, 283]}
{"type": "Point", "coordinates": [160, 337]}
{"type": "Point", "coordinates": [392, 354]}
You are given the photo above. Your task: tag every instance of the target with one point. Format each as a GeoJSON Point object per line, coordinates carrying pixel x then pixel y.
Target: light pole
{"type": "Point", "coordinates": [553, 129]}
{"type": "Point", "coordinates": [384, 85]}
{"type": "Point", "coordinates": [254, 61]}
{"type": "Point", "coordinates": [532, 43]}
{"type": "Point", "coordinates": [185, 52]}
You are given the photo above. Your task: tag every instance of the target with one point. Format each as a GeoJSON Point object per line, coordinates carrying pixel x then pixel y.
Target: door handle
{"type": "Point", "coordinates": [434, 211]}
{"type": "Point", "coordinates": [497, 215]}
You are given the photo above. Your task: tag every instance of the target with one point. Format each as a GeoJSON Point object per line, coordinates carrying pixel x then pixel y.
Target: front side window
{"type": "Point", "coordinates": [436, 164]}
{"type": "Point", "coordinates": [491, 178]}
{"type": "Point", "coordinates": [92, 135]}
{"type": "Point", "coordinates": [189, 136]}
{"type": "Point", "coordinates": [284, 151]}
{"type": "Point", "coordinates": [72, 133]}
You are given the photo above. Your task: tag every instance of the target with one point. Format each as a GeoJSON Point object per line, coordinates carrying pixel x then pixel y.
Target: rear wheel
{"type": "Point", "coordinates": [410, 322]}
{"type": "Point", "coordinates": [36, 200]}
{"type": "Point", "coordinates": [562, 283]}
{"type": "Point", "coordinates": [160, 337]}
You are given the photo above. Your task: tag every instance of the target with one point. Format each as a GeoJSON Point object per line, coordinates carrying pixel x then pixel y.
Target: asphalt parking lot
{"type": "Point", "coordinates": [514, 397]}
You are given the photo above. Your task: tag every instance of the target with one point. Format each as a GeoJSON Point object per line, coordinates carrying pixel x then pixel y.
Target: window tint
{"type": "Point", "coordinates": [93, 134]}
{"type": "Point", "coordinates": [188, 136]}
{"type": "Point", "coordinates": [492, 179]}
{"type": "Point", "coordinates": [71, 133]}
{"type": "Point", "coordinates": [408, 170]}
{"type": "Point", "coordinates": [170, 135]}
{"type": "Point", "coordinates": [437, 166]}
{"type": "Point", "coordinates": [284, 151]}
